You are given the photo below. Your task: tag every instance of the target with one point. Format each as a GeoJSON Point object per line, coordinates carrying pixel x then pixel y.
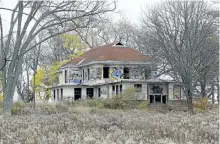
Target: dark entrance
{"type": "Point", "coordinates": [89, 92]}
{"type": "Point", "coordinates": [77, 93]}
{"type": "Point", "coordinates": [151, 98]}
{"type": "Point", "coordinates": [164, 99]}
{"type": "Point", "coordinates": [157, 98]}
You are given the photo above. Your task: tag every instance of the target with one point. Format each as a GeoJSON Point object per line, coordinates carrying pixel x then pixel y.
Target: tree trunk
{"type": "Point", "coordinates": [213, 94]}
{"type": "Point", "coordinates": [7, 102]}
{"type": "Point", "coordinates": [189, 101]}
{"type": "Point", "coordinates": [218, 90]}
{"type": "Point", "coordinates": [7, 105]}
{"type": "Point", "coordinates": [203, 92]}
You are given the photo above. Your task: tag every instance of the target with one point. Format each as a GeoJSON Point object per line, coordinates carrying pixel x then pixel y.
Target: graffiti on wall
{"type": "Point", "coordinates": [92, 74]}
{"type": "Point", "coordinates": [104, 91]}
{"type": "Point", "coordinates": [138, 73]}
{"type": "Point", "coordinates": [99, 73]}
{"type": "Point", "coordinates": [85, 75]}
{"type": "Point", "coordinates": [74, 76]}
{"type": "Point", "coordinates": [116, 73]}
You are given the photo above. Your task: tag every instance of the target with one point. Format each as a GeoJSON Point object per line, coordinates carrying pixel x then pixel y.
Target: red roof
{"type": "Point", "coordinates": [110, 52]}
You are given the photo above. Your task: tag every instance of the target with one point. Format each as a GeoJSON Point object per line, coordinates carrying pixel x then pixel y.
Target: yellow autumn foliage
{"type": "Point", "coordinates": [1, 97]}
{"type": "Point", "coordinates": [47, 75]}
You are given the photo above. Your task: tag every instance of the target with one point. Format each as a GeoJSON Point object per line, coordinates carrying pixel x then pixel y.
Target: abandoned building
{"type": "Point", "coordinates": [107, 70]}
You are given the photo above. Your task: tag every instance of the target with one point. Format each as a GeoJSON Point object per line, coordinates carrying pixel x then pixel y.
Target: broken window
{"type": "Point", "coordinates": [138, 87]}
{"type": "Point", "coordinates": [99, 92]}
{"type": "Point", "coordinates": [105, 72]}
{"type": "Point", "coordinates": [157, 89]}
{"type": "Point", "coordinates": [121, 88]}
{"type": "Point", "coordinates": [77, 92]}
{"type": "Point", "coordinates": [61, 93]}
{"type": "Point", "coordinates": [89, 92]}
{"type": "Point", "coordinates": [54, 94]}
{"type": "Point", "coordinates": [65, 76]}
{"type": "Point", "coordinates": [126, 73]}
{"type": "Point", "coordinates": [116, 89]}
{"type": "Point", "coordinates": [113, 88]}
{"type": "Point", "coordinates": [88, 73]}
{"type": "Point", "coordinates": [147, 73]}
{"type": "Point", "coordinates": [83, 75]}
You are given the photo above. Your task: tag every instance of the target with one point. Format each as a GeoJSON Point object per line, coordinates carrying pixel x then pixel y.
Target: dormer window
{"type": "Point", "coordinates": [119, 44]}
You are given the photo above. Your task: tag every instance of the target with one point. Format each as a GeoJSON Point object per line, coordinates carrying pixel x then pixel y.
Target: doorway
{"type": "Point", "coordinates": [157, 98]}
{"type": "Point", "coordinates": [151, 98]}
{"type": "Point", "coordinates": [77, 93]}
{"type": "Point", "coordinates": [90, 93]}
{"type": "Point", "coordinates": [164, 99]}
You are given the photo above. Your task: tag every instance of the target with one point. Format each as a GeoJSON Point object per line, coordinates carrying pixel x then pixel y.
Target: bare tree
{"type": "Point", "coordinates": [107, 30]}
{"type": "Point", "coordinates": [180, 29]}
{"type": "Point", "coordinates": [46, 16]}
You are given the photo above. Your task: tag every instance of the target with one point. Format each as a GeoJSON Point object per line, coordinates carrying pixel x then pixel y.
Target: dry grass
{"type": "Point", "coordinates": [63, 124]}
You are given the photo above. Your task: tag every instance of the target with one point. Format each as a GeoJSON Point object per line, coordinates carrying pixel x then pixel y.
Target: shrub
{"type": "Point", "coordinates": [201, 105]}
{"type": "Point", "coordinates": [94, 125]}
{"type": "Point", "coordinates": [17, 107]}
{"type": "Point", "coordinates": [142, 105]}
{"type": "Point", "coordinates": [127, 94]}
{"type": "Point", "coordinates": [1, 97]}
{"type": "Point", "coordinates": [62, 107]}
{"type": "Point", "coordinates": [47, 107]}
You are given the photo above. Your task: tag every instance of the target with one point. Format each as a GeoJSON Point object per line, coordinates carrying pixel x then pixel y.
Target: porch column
{"type": "Point", "coordinates": [154, 98]}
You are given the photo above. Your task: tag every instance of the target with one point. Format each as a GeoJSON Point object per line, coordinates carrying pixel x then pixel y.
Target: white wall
{"type": "Point", "coordinates": [61, 77]}
{"type": "Point", "coordinates": [170, 91]}
{"type": "Point", "coordinates": [106, 90]}
{"type": "Point", "coordinates": [142, 95]}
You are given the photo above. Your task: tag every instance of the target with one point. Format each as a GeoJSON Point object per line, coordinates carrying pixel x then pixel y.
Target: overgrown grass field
{"type": "Point", "coordinates": [90, 122]}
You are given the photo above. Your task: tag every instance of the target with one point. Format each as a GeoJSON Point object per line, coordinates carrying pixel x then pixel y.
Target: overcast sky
{"type": "Point", "coordinates": [130, 9]}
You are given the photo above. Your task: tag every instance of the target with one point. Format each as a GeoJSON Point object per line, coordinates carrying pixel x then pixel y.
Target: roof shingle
{"type": "Point", "coordinates": [110, 52]}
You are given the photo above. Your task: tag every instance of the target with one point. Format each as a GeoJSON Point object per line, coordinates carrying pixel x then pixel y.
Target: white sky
{"type": "Point", "coordinates": [130, 9]}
